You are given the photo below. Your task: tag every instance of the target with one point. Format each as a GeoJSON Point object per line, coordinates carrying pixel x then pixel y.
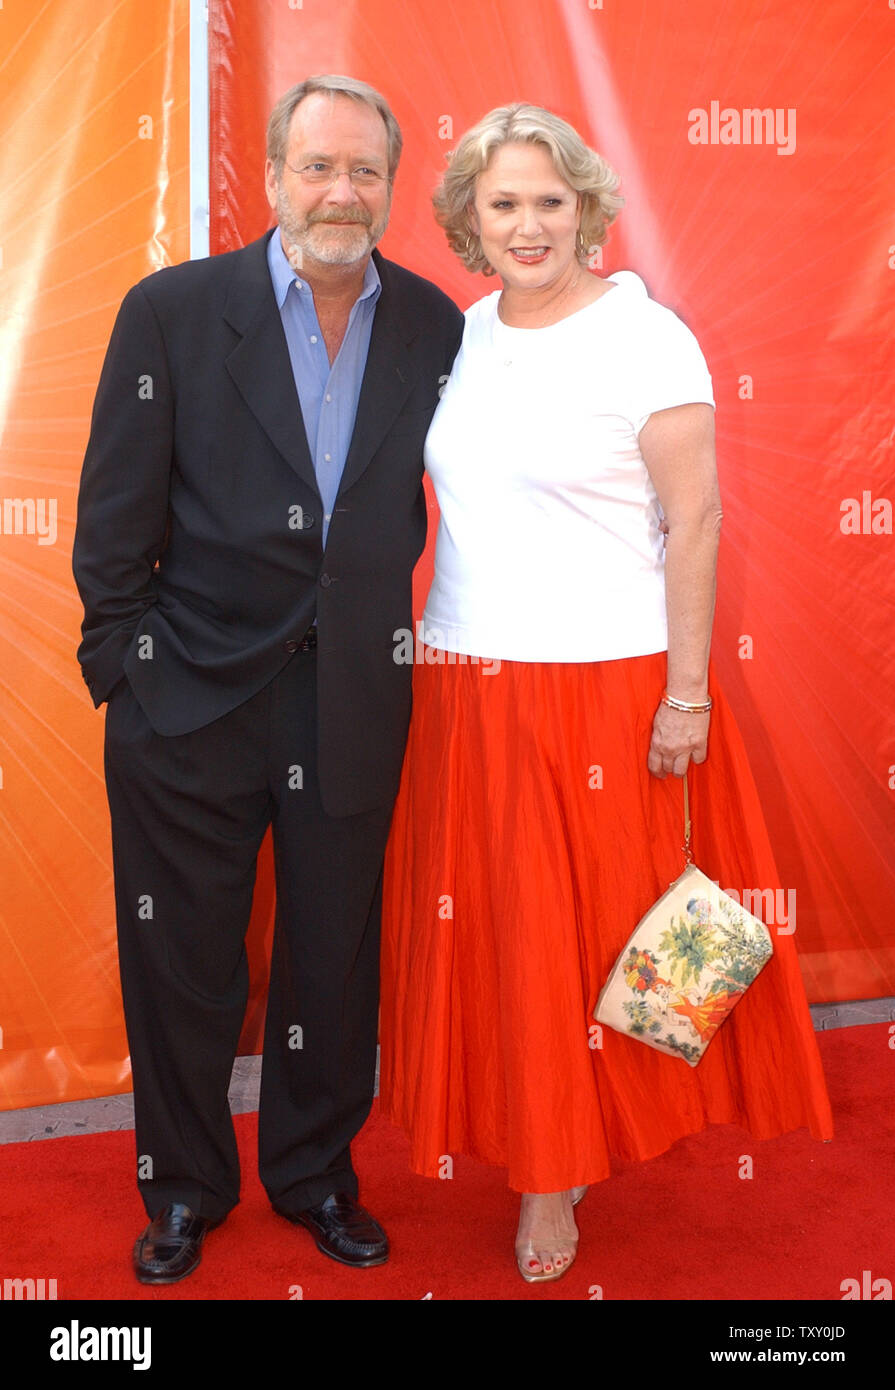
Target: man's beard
{"type": "Point", "coordinates": [310, 240]}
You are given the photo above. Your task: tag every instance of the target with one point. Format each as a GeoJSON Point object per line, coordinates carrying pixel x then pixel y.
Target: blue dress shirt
{"type": "Point", "coordinates": [328, 394]}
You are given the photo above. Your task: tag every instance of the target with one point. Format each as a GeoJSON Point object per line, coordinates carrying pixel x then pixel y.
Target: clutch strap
{"type": "Point", "coordinates": [688, 857]}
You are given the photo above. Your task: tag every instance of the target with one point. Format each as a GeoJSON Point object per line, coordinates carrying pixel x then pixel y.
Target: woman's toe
{"type": "Point", "coordinates": [528, 1258]}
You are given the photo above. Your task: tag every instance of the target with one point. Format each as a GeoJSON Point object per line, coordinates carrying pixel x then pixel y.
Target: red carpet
{"type": "Point", "coordinates": [683, 1225]}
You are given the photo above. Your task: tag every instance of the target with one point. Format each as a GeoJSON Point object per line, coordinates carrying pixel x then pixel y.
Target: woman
{"type": "Point", "coordinates": [566, 674]}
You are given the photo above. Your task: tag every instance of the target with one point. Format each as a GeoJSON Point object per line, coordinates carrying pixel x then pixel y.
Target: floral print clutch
{"type": "Point", "coordinates": [687, 964]}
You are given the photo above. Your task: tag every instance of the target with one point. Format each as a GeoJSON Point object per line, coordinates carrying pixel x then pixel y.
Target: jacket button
{"type": "Point", "coordinates": [325, 581]}
{"type": "Point", "coordinates": [291, 646]}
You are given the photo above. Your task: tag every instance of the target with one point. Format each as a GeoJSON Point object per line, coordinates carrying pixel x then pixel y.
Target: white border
{"type": "Point", "coordinates": [199, 191]}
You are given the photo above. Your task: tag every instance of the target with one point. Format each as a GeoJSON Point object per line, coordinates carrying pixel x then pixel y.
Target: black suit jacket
{"type": "Point", "coordinates": [198, 550]}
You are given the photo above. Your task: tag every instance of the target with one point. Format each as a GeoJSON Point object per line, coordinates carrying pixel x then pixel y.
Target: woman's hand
{"type": "Point", "coordinates": [677, 737]}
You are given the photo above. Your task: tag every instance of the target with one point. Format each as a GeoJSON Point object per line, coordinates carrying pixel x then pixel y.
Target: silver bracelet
{"type": "Point", "coordinates": [702, 707]}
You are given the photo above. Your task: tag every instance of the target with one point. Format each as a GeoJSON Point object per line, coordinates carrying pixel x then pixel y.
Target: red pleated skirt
{"type": "Point", "coordinates": [528, 840]}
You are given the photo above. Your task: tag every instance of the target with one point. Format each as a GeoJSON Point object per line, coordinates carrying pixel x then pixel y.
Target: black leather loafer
{"type": "Point", "coordinates": [344, 1231]}
{"type": "Point", "coordinates": [171, 1246]}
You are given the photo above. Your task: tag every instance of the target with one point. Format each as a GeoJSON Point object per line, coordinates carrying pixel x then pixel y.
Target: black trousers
{"type": "Point", "coordinates": [188, 817]}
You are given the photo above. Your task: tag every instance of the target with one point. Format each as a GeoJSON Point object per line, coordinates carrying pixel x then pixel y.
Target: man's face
{"type": "Point", "coordinates": [339, 224]}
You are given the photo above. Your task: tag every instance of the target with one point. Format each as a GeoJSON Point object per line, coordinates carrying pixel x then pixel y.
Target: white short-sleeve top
{"type": "Point", "coordinates": [548, 545]}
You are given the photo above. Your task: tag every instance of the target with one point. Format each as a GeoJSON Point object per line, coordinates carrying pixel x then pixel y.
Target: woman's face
{"type": "Point", "coordinates": [526, 216]}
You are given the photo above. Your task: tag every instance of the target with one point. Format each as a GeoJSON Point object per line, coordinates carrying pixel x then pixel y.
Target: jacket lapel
{"type": "Point", "coordinates": [260, 365]}
{"type": "Point", "coordinates": [388, 377]}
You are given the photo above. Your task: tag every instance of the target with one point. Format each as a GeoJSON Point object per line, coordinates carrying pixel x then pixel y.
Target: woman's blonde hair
{"type": "Point", "coordinates": [581, 167]}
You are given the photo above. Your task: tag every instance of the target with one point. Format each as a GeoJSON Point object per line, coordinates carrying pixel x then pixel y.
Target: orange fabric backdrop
{"type": "Point", "coordinates": [94, 166]}
{"type": "Point", "coordinates": [783, 264]}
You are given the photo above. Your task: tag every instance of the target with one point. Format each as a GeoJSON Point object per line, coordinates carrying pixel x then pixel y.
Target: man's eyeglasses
{"type": "Point", "coordinates": [324, 175]}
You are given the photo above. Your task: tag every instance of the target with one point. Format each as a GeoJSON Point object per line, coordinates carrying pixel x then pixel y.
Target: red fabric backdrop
{"type": "Point", "coordinates": [778, 254]}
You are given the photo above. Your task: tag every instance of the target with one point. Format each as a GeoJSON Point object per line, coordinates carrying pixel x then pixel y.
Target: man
{"type": "Point", "coordinates": [250, 513]}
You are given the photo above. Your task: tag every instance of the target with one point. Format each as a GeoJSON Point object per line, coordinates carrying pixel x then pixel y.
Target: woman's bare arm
{"type": "Point", "coordinates": [678, 447]}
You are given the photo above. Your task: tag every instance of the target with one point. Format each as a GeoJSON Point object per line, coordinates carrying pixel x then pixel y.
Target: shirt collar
{"type": "Point", "coordinates": [282, 275]}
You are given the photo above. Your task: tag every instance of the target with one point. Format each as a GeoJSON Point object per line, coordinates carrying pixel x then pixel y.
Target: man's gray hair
{"type": "Point", "coordinates": [281, 115]}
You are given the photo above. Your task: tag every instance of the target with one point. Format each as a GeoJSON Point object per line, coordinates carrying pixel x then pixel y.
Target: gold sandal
{"type": "Point", "coordinates": [527, 1252]}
